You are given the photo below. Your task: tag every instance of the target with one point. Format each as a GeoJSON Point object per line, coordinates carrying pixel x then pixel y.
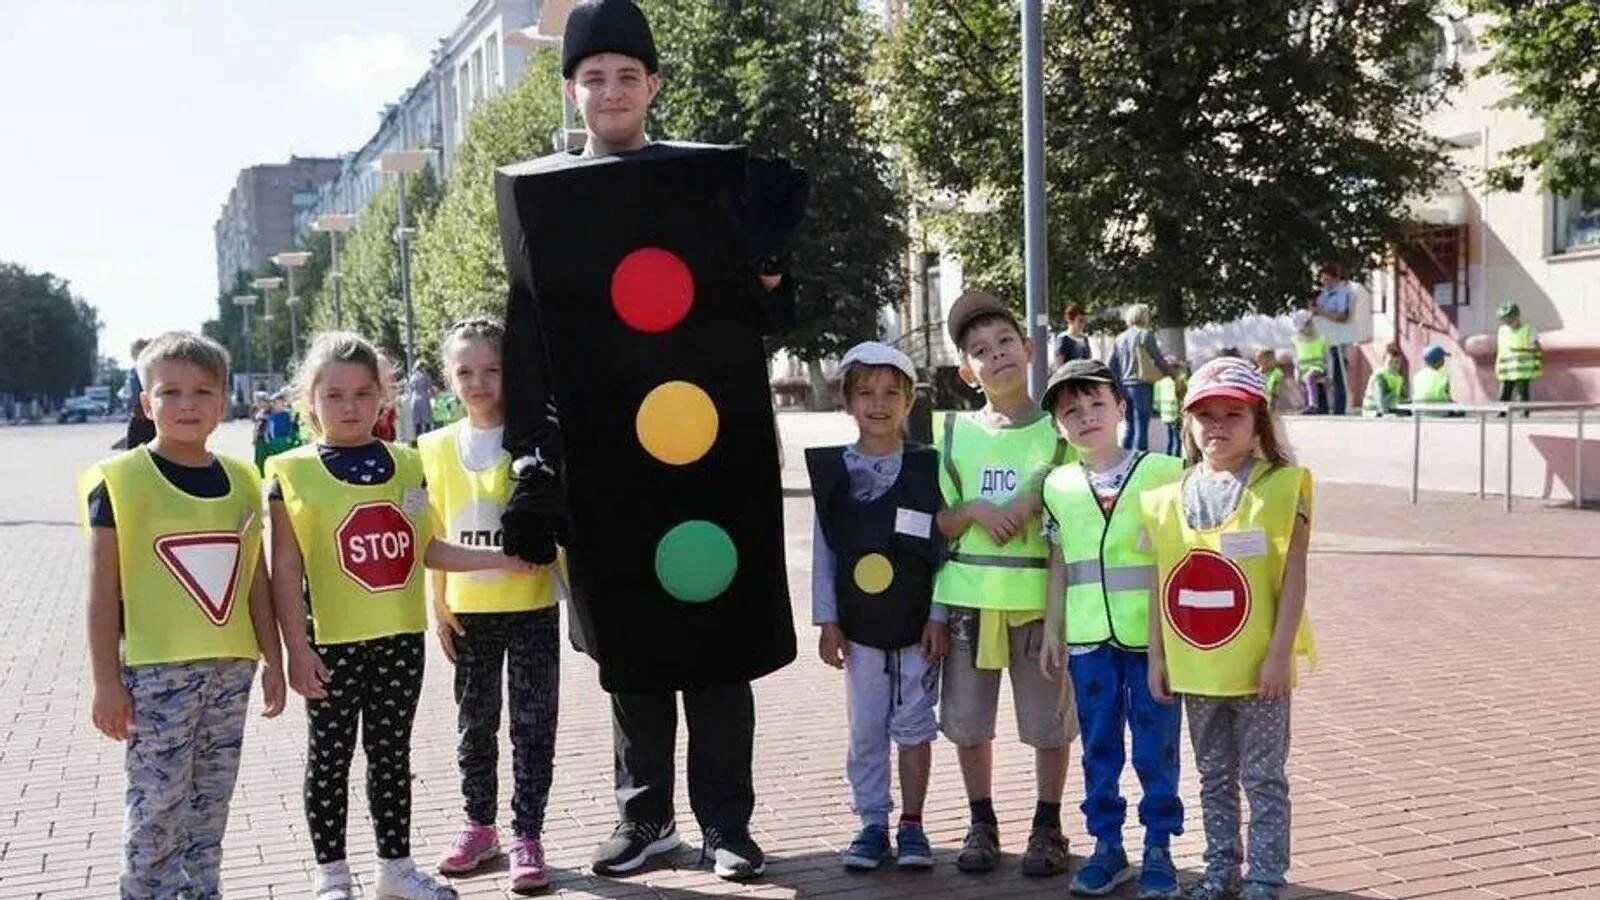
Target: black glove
{"type": "Point", "coordinates": [534, 520]}
{"type": "Point", "coordinates": [770, 211]}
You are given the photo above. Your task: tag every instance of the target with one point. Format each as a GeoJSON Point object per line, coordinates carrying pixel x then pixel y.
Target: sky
{"type": "Point", "coordinates": [125, 124]}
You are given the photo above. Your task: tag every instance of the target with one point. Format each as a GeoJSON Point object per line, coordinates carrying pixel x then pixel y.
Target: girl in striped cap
{"type": "Point", "coordinates": [1230, 542]}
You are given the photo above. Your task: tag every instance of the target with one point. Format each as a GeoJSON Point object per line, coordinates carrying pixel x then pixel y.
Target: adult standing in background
{"type": "Point", "coordinates": [1138, 363]}
{"type": "Point", "coordinates": [1342, 320]}
{"type": "Point", "coordinates": [419, 394]}
{"type": "Point", "coordinates": [1072, 343]}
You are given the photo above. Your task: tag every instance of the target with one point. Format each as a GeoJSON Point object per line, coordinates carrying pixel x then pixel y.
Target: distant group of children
{"type": "Point", "coordinates": [184, 603]}
{"type": "Point", "coordinates": [1105, 582]}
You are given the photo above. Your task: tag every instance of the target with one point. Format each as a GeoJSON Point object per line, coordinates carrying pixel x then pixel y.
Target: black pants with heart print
{"type": "Point", "coordinates": [373, 686]}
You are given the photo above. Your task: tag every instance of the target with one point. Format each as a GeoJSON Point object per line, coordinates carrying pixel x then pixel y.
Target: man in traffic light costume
{"type": "Point", "coordinates": [638, 418]}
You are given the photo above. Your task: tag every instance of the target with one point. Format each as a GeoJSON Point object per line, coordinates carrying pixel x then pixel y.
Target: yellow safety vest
{"type": "Point", "coordinates": [1220, 587]}
{"type": "Point", "coordinates": [1167, 399]}
{"type": "Point", "coordinates": [1310, 354]}
{"type": "Point", "coordinates": [975, 461]}
{"type": "Point", "coordinates": [468, 505]}
{"type": "Point", "coordinates": [1515, 357]}
{"type": "Point", "coordinates": [362, 544]}
{"type": "Point", "coordinates": [1430, 385]}
{"type": "Point", "coordinates": [185, 563]}
{"type": "Point", "coordinates": [1382, 383]}
{"type": "Point", "coordinates": [1109, 572]}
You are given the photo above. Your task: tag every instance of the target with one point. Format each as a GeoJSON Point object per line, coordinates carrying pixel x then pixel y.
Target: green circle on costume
{"type": "Point", "coordinates": [696, 561]}
{"type": "Point", "coordinates": [874, 573]}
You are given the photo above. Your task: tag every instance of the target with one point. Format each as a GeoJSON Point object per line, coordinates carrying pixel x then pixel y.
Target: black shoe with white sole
{"type": "Point", "coordinates": [632, 845]}
{"type": "Point", "coordinates": [735, 856]}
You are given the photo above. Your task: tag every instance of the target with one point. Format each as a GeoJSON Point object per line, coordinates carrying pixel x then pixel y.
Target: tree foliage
{"type": "Point", "coordinates": [460, 269]}
{"type": "Point", "coordinates": [53, 336]}
{"type": "Point", "coordinates": [790, 79]}
{"type": "Point", "coordinates": [370, 262]}
{"type": "Point", "coordinates": [1550, 52]}
{"type": "Point", "coordinates": [1201, 155]}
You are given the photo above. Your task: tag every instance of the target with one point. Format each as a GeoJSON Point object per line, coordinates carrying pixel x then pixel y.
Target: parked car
{"type": "Point", "coordinates": [79, 409]}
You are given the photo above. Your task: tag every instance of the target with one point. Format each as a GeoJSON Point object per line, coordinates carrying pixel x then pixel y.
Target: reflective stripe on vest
{"type": "Point", "coordinates": [185, 563]}
{"type": "Point", "coordinates": [1515, 358]}
{"type": "Point", "coordinates": [1109, 573]}
{"type": "Point", "coordinates": [343, 609]}
{"type": "Point", "coordinates": [1167, 399]}
{"type": "Point", "coordinates": [994, 464]}
{"type": "Point", "coordinates": [468, 505]}
{"type": "Point", "coordinates": [1310, 353]}
{"type": "Point", "coordinates": [1219, 587]}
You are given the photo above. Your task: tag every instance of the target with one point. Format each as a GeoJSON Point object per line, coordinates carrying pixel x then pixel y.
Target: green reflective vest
{"type": "Point", "coordinates": [1515, 357]}
{"type": "Point", "coordinates": [1167, 399]}
{"type": "Point", "coordinates": [1384, 390]}
{"type": "Point", "coordinates": [1110, 570]}
{"type": "Point", "coordinates": [1310, 354]}
{"type": "Point", "coordinates": [1430, 385]}
{"type": "Point", "coordinates": [980, 461]}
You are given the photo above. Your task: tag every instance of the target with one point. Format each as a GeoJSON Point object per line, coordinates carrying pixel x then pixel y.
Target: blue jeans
{"type": "Point", "coordinates": [1336, 375]}
{"type": "Point", "coordinates": [1140, 406]}
{"type": "Point", "coordinates": [1112, 693]}
{"type": "Point", "coordinates": [1175, 438]}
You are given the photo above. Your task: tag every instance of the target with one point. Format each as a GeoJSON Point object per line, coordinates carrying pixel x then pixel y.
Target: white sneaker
{"type": "Point", "coordinates": [333, 881]}
{"type": "Point", "coordinates": [401, 881]}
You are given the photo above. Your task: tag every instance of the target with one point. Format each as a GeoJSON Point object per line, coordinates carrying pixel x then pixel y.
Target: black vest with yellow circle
{"type": "Point", "coordinates": [886, 549]}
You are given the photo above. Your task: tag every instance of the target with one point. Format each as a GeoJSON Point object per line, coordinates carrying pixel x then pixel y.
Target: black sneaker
{"type": "Point", "coordinates": [632, 845]}
{"type": "Point", "coordinates": [735, 856]}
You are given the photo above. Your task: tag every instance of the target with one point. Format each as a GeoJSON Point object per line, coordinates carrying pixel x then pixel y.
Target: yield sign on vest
{"type": "Point", "coordinates": [1207, 599]}
{"type": "Point", "coordinates": [377, 546]}
{"type": "Point", "coordinates": [206, 563]}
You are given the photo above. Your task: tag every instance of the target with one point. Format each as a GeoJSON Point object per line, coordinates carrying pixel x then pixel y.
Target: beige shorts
{"type": "Point", "coordinates": [1047, 718]}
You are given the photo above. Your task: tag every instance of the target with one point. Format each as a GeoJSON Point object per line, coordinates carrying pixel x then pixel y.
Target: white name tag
{"type": "Point", "coordinates": [414, 500]}
{"type": "Point", "coordinates": [1206, 599]}
{"type": "Point", "coordinates": [913, 522]}
{"type": "Point", "coordinates": [1244, 544]}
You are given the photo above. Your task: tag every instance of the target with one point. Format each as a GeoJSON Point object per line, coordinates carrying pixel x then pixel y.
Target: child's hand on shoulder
{"type": "Point", "coordinates": [274, 692]}
{"type": "Point", "coordinates": [112, 711]}
{"type": "Point", "coordinates": [935, 641]}
{"type": "Point", "coordinates": [830, 645]}
{"type": "Point", "coordinates": [308, 676]}
{"type": "Point", "coordinates": [1273, 682]}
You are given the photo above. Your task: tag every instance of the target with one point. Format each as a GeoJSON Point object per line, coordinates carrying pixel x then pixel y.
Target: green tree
{"type": "Point", "coordinates": [790, 79]}
{"type": "Point", "coordinates": [459, 267]}
{"type": "Point", "coordinates": [1202, 155]}
{"type": "Point", "coordinates": [1550, 52]}
{"type": "Point", "coordinates": [53, 336]}
{"type": "Point", "coordinates": [371, 265]}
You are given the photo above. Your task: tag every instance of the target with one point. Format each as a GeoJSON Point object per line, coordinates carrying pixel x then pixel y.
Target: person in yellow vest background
{"type": "Point", "coordinates": [352, 530]}
{"type": "Point", "coordinates": [992, 465]}
{"type": "Point", "coordinates": [1169, 396]}
{"type": "Point", "coordinates": [1101, 575]}
{"type": "Point", "coordinates": [1518, 358]}
{"type": "Point", "coordinates": [1228, 622]}
{"type": "Point", "coordinates": [1387, 387]}
{"type": "Point", "coordinates": [1311, 362]}
{"type": "Point", "coordinates": [489, 622]}
{"type": "Point", "coordinates": [175, 579]}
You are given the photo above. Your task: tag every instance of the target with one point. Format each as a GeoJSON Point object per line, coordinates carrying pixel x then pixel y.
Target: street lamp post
{"type": "Point", "coordinates": [266, 286]}
{"type": "Point", "coordinates": [1035, 252]}
{"type": "Point", "coordinates": [335, 224]}
{"type": "Point", "coordinates": [546, 35]}
{"type": "Point", "coordinates": [244, 302]}
{"type": "Point", "coordinates": [402, 163]}
{"type": "Point", "coordinates": [291, 260]}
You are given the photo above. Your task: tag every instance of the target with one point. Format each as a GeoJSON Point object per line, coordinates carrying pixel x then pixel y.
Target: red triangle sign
{"type": "Point", "coordinates": [206, 563]}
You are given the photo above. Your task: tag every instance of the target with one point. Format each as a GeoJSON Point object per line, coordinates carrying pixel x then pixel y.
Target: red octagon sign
{"type": "Point", "coordinates": [1207, 599]}
{"type": "Point", "coordinates": [377, 546]}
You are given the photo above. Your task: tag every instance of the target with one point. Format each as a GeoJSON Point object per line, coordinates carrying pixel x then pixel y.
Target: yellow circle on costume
{"type": "Point", "coordinates": [874, 573]}
{"type": "Point", "coordinates": [677, 423]}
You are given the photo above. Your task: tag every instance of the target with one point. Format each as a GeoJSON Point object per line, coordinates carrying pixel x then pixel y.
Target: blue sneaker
{"type": "Point", "coordinates": [912, 849]}
{"type": "Point", "coordinates": [1101, 873]}
{"type": "Point", "coordinates": [1158, 877]}
{"type": "Point", "coordinates": [869, 850]}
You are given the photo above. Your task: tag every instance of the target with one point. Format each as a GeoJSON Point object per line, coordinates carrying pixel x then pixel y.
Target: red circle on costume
{"type": "Point", "coordinates": [1206, 599]}
{"type": "Point", "coordinates": [652, 289]}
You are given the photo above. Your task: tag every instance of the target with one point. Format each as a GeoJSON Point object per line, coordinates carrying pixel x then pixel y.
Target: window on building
{"type": "Point", "coordinates": [477, 76]}
{"type": "Point", "coordinates": [1577, 222]}
{"type": "Point", "coordinates": [463, 101]}
{"type": "Point", "coordinates": [491, 55]}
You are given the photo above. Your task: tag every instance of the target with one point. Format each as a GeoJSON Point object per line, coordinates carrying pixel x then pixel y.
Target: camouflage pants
{"type": "Point", "coordinates": [183, 758]}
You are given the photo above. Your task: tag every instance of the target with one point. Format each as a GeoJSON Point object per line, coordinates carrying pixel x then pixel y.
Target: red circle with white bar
{"type": "Point", "coordinates": [1206, 599]}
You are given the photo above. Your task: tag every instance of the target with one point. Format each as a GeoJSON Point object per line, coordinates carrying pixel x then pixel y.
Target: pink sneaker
{"type": "Point", "coordinates": [474, 846]}
{"type": "Point", "coordinates": [527, 865]}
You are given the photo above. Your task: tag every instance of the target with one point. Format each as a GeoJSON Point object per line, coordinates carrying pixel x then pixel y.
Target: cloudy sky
{"type": "Point", "coordinates": [126, 123]}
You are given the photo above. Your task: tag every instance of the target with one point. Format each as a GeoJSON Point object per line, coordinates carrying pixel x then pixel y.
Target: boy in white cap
{"type": "Point", "coordinates": [874, 553]}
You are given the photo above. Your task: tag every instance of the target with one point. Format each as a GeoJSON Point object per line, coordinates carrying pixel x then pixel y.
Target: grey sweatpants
{"type": "Point", "coordinates": [1242, 740]}
{"type": "Point", "coordinates": [890, 696]}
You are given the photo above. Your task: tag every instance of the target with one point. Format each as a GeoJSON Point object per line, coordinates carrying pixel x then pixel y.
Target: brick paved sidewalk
{"type": "Point", "coordinates": [1447, 748]}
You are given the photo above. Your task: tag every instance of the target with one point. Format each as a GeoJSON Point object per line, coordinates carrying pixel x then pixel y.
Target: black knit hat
{"type": "Point", "coordinates": [607, 26]}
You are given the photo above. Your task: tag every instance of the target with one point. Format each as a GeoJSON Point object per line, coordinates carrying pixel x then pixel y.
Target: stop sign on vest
{"type": "Point", "coordinates": [1207, 599]}
{"type": "Point", "coordinates": [377, 546]}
